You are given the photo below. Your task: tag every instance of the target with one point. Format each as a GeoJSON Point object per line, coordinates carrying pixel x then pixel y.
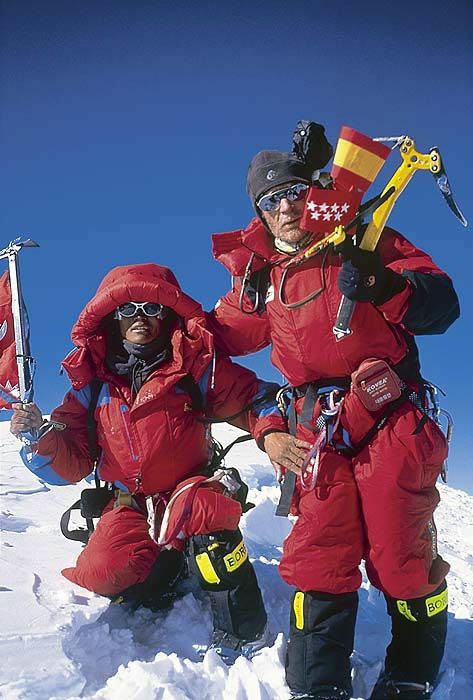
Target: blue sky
{"type": "Point", "coordinates": [126, 130]}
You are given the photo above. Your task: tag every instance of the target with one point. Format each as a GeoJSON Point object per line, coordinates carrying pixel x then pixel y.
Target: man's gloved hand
{"type": "Point", "coordinates": [363, 276]}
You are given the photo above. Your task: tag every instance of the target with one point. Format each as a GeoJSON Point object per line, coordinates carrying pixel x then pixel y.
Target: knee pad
{"type": "Point", "coordinates": [220, 560]}
{"type": "Point", "coordinates": [430, 608]}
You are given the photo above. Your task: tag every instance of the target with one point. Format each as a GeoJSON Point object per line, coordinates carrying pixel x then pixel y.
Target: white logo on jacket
{"type": "Point", "coordinates": [269, 294]}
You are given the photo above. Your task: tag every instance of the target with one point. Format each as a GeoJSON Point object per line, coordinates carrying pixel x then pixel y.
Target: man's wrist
{"type": "Point", "coordinates": [271, 431]}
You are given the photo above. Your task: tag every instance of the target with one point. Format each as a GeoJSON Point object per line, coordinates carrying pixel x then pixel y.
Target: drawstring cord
{"type": "Point", "coordinates": [330, 415]}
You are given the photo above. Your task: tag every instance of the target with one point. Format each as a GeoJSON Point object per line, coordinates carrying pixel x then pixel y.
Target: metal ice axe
{"type": "Point", "coordinates": [23, 358]}
{"type": "Point", "coordinates": [412, 161]}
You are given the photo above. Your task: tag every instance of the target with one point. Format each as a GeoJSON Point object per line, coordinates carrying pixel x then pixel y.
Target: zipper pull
{"type": "Point", "coordinates": [137, 485]}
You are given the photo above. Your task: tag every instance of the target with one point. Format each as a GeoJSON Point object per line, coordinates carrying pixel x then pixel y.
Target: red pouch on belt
{"type": "Point", "coordinates": [376, 384]}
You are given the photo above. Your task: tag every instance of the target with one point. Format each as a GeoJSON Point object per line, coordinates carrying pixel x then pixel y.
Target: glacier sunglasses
{"type": "Point", "coordinates": [271, 202]}
{"type": "Point", "coordinates": [131, 308]}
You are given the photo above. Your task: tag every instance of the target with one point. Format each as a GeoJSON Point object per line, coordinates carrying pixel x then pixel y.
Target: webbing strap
{"type": "Point", "coordinates": [289, 482]}
{"type": "Point", "coordinates": [94, 449]}
{"type": "Point", "coordinates": [287, 489]}
{"type": "Point", "coordinates": [308, 406]}
{"type": "Point", "coordinates": [220, 455]}
{"type": "Point", "coordinates": [80, 535]}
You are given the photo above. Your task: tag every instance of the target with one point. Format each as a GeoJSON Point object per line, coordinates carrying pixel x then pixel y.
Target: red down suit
{"type": "Point", "coordinates": [153, 441]}
{"type": "Point", "coordinates": [379, 504]}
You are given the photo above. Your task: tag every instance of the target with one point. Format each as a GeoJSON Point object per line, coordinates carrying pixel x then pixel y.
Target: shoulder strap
{"type": "Point", "coordinates": [79, 534]}
{"type": "Point", "coordinates": [94, 449]}
{"type": "Point", "coordinates": [189, 385]}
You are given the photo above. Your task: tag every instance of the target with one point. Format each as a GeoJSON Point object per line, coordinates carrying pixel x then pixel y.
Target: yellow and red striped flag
{"type": "Point", "coordinates": [357, 161]}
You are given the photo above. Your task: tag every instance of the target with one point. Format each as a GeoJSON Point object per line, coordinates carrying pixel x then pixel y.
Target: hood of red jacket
{"type": "Point", "coordinates": [192, 343]}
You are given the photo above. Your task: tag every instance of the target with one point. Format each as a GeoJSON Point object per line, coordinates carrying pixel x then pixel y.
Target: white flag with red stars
{"type": "Point", "coordinates": [326, 209]}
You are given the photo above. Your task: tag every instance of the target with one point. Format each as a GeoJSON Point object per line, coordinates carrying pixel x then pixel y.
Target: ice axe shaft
{"type": "Point", "coordinates": [21, 341]}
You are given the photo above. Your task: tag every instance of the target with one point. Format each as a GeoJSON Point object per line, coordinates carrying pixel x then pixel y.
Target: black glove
{"type": "Point", "coordinates": [363, 276]}
{"type": "Point", "coordinates": [310, 145]}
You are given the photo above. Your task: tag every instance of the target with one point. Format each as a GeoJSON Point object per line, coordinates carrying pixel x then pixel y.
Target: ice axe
{"type": "Point", "coordinates": [25, 362]}
{"type": "Point", "coordinates": [412, 161]}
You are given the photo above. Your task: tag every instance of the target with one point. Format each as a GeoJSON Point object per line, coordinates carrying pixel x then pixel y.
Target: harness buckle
{"type": "Point", "coordinates": [123, 498]}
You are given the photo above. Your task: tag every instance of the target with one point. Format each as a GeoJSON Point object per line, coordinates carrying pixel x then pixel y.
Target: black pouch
{"type": "Point", "coordinates": [91, 505]}
{"type": "Point", "coordinates": [94, 501]}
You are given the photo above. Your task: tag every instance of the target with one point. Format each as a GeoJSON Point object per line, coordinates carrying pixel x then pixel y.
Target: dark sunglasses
{"type": "Point", "coordinates": [131, 308]}
{"type": "Point", "coordinates": [271, 202]}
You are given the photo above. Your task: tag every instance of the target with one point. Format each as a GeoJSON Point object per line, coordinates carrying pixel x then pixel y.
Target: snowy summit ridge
{"type": "Point", "coordinates": [60, 641]}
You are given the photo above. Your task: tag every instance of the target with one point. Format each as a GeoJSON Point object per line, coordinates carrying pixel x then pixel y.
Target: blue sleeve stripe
{"type": "Point", "coordinates": [84, 395]}
{"type": "Point", "coordinates": [269, 411]}
{"type": "Point", "coordinates": [270, 406]}
{"type": "Point", "coordinates": [104, 396]}
{"type": "Point", "coordinates": [41, 467]}
{"type": "Point", "coordinates": [204, 382]}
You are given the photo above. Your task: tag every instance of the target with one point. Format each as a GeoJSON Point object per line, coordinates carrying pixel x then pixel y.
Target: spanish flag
{"type": "Point", "coordinates": [357, 161]}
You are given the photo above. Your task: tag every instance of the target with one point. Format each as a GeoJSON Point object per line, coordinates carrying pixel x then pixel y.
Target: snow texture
{"type": "Point", "coordinates": [60, 641]}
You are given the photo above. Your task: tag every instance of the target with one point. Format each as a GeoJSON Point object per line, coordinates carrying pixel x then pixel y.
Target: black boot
{"type": "Point", "coordinates": [221, 563]}
{"type": "Point", "coordinates": [386, 689]}
{"type": "Point", "coordinates": [158, 591]}
{"type": "Point", "coordinates": [324, 693]}
{"type": "Point", "coordinates": [320, 643]}
{"type": "Point", "coordinates": [413, 658]}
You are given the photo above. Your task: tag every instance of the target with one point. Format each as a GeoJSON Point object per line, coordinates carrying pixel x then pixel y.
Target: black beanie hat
{"type": "Point", "coordinates": [310, 151]}
{"type": "Point", "coordinates": [271, 168]}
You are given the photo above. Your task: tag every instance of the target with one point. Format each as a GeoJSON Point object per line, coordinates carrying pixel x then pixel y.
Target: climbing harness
{"type": "Point", "coordinates": [327, 423]}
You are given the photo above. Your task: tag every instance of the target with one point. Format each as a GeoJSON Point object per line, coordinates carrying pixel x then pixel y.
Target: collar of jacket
{"type": "Point", "coordinates": [188, 356]}
{"type": "Point", "coordinates": [234, 249]}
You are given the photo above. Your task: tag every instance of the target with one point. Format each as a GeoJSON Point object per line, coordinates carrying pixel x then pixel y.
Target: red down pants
{"type": "Point", "coordinates": [377, 505]}
{"type": "Point", "coordinates": [121, 553]}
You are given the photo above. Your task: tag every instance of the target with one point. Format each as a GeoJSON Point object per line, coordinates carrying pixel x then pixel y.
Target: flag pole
{"type": "Point", "coordinates": [23, 357]}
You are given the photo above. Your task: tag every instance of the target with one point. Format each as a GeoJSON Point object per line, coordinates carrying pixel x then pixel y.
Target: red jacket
{"type": "Point", "coordinates": [153, 441]}
{"type": "Point", "coordinates": [304, 348]}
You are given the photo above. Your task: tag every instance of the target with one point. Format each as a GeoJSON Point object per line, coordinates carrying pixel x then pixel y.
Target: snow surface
{"type": "Point", "coordinates": [60, 641]}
